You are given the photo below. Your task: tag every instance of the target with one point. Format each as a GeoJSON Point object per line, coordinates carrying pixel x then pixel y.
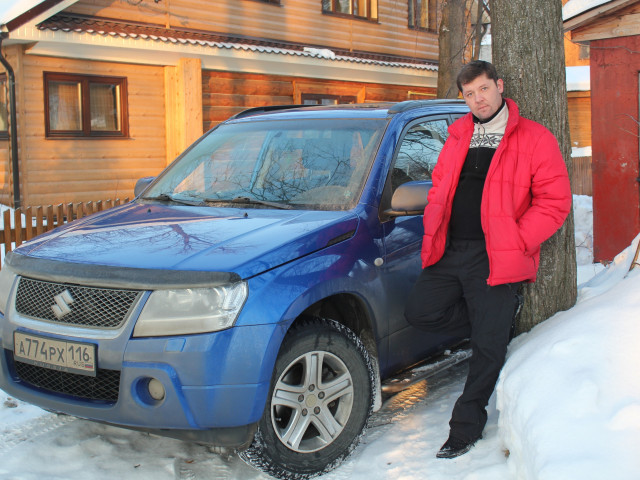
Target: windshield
{"type": "Point", "coordinates": [303, 163]}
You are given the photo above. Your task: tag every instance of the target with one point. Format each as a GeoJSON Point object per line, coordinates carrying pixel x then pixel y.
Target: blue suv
{"type": "Point", "coordinates": [250, 297]}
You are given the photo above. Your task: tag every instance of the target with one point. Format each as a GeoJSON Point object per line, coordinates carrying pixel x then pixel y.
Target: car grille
{"type": "Point", "coordinates": [103, 387]}
{"type": "Point", "coordinates": [86, 306]}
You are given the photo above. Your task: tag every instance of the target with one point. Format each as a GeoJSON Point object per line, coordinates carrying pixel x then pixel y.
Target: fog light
{"type": "Point", "coordinates": [156, 390]}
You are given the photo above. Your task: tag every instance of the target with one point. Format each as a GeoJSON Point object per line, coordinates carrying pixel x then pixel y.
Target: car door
{"type": "Point", "coordinates": [414, 159]}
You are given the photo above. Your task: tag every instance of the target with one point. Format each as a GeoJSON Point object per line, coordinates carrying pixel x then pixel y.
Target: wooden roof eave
{"type": "Point", "coordinates": [118, 48]}
{"type": "Point", "coordinates": [595, 13]}
{"type": "Point", "coordinates": [37, 14]}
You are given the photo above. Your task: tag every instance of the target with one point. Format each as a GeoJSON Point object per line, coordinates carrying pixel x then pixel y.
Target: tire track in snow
{"type": "Point", "coordinates": [209, 463]}
{"type": "Point", "coordinates": [14, 435]}
{"type": "Point", "coordinates": [398, 406]}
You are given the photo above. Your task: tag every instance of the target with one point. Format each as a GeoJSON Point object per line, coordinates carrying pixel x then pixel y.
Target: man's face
{"type": "Point", "coordinates": [483, 96]}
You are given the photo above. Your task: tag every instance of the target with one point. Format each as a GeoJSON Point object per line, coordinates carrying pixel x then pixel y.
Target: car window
{"type": "Point", "coordinates": [303, 163]}
{"type": "Point", "coordinates": [418, 152]}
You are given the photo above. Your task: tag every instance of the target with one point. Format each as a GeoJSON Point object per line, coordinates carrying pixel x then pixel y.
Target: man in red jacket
{"type": "Point", "coordinates": [500, 189]}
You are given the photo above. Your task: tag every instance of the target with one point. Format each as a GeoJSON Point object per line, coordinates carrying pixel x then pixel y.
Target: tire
{"type": "Point", "coordinates": [314, 417]}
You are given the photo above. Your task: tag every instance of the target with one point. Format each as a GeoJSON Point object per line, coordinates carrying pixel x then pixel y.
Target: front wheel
{"type": "Point", "coordinates": [320, 399]}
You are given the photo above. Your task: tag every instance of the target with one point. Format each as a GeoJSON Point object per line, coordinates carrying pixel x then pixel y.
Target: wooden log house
{"type": "Point", "coordinates": [108, 91]}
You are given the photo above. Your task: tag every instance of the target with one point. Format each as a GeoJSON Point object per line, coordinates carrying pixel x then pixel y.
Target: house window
{"type": "Point", "coordinates": [422, 15]}
{"type": "Point", "coordinates": [583, 53]}
{"type": "Point", "coordinates": [85, 106]}
{"type": "Point", "coordinates": [322, 99]}
{"type": "Point", "coordinates": [4, 111]}
{"type": "Point", "coordinates": [367, 9]}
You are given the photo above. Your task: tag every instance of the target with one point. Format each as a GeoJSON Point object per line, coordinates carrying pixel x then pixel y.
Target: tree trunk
{"type": "Point", "coordinates": [478, 30]}
{"type": "Point", "coordinates": [452, 44]}
{"type": "Point", "coordinates": [528, 52]}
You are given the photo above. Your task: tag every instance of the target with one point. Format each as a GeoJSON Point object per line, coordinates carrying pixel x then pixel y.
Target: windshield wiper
{"type": "Point", "coordinates": [165, 197]}
{"type": "Point", "coordinates": [250, 201]}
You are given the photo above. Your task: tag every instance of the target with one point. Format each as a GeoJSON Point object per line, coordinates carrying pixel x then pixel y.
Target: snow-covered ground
{"type": "Point", "coordinates": [567, 407]}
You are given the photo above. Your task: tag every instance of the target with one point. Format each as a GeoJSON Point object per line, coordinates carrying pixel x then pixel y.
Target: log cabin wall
{"type": "Point", "coordinates": [579, 106]}
{"type": "Point", "coordinates": [173, 93]}
{"type": "Point", "coordinates": [64, 170]}
{"type": "Point", "coordinates": [228, 93]}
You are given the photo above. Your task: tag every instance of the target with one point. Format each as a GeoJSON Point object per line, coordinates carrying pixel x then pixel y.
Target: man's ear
{"type": "Point", "coordinates": [500, 85]}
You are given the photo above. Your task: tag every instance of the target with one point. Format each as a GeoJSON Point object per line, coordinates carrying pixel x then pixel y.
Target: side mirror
{"type": "Point", "coordinates": [409, 199]}
{"type": "Point", "coordinates": [141, 185]}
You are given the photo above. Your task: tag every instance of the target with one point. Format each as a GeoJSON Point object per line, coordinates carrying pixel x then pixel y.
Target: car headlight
{"type": "Point", "coordinates": [7, 277]}
{"type": "Point", "coordinates": [191, 310]}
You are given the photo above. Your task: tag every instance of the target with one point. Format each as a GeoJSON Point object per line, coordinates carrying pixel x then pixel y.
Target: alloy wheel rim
{"type": "Point", "coordinates": [312, 401]}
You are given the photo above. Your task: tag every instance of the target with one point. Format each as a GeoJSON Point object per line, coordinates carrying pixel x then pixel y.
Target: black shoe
{"type": "Point", "coordinates": [454, 448]}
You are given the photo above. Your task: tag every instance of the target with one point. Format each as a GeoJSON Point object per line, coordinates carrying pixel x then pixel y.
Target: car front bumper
{"type": "Point", "coordinates": [215, 385]}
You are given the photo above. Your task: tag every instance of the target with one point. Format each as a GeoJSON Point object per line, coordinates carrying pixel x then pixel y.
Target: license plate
{"type": "Point", "coordinates": [73, 357]}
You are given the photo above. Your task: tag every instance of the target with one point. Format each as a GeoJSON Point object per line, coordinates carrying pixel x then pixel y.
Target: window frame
{"type": "Point", "coordinates": [388, 189]}
{"type": "Point", "coordinates": [335, 11]}
{"type": "Point", "coordinates": [340, 99]}
{"type": "Point", "coordinates": [432, 118]}
{"type": "Point", "coordinates": [85, 81]}
{"type": "Point", "coordinates": [4, 134]}
{"type": "Point", "coordinates": [432, 20]}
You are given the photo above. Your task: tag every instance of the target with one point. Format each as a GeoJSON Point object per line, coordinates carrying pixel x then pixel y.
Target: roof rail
{"type": "Point", "coordinates": [411, 104]}
{"type": "Point", "coordinates": [268, 108]}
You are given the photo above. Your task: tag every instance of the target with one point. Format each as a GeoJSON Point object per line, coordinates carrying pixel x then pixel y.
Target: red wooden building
{"type": "Point", "coordinates": [612, 29]}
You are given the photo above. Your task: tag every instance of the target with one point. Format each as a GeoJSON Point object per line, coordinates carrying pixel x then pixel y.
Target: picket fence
{"type": "Point", "coordinates": [23, 224]}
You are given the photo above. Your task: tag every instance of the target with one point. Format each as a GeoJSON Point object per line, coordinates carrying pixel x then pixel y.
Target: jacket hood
{"type": "Point", "coordinates": [185, 238]}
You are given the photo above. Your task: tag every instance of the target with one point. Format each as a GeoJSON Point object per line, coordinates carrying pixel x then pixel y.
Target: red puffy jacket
{"type": "Point", "coordinates": [526, 196]}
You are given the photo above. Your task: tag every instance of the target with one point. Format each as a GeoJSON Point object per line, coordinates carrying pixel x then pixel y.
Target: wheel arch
{"type": "Point", "coordinates": [350, 311]}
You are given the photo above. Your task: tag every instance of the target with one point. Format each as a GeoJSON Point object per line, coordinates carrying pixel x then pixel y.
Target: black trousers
{"type": "Point", "coordinates": [452, 297]}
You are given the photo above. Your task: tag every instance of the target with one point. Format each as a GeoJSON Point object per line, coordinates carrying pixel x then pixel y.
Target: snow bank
{"type": "Point", "coordinates": [569, 394]}
{"type": "Point", "coordinates": [578, 79]}
{"type": "Point", "coordinates": [580, 151]}
{"type": "Point", "coordinates": [583, 220]}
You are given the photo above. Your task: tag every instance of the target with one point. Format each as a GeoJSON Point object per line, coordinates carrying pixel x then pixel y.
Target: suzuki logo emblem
{"type": "Point", "coordinates": [62, 305]}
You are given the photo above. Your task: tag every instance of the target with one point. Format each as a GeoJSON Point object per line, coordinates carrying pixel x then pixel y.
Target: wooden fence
{"type": "Point", "coordinates": [25, 223]}
{"type": "Point", "coordinates": [581, 183]}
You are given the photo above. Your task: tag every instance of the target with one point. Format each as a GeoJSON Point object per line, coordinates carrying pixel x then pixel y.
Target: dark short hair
{"type": "Point", "coordinates": [473, 70]}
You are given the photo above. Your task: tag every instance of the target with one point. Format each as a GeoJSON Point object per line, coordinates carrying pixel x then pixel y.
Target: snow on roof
{"type": "Point", "coordinates": [574, 8]}
{"type": "Point", "coordinates": [578, 79]}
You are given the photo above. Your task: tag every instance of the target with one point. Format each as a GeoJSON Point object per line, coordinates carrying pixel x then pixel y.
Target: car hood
{"type": "Point", "coordinates": [167, 237]}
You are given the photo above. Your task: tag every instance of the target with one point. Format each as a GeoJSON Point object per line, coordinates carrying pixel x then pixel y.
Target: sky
{"type": "Point", "coordinates": [10, 9]}
{"type": "Point", "coordinates": [566, 407]}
